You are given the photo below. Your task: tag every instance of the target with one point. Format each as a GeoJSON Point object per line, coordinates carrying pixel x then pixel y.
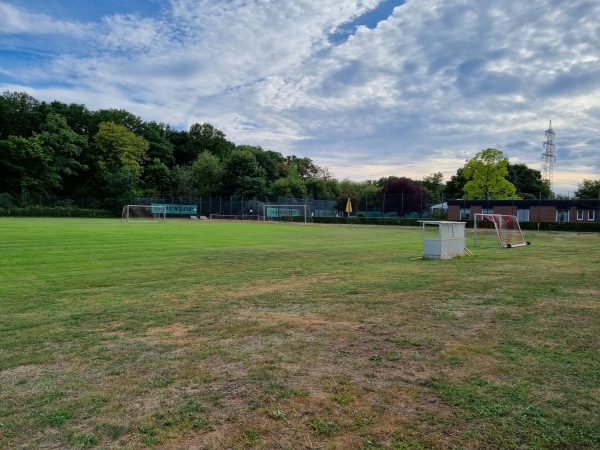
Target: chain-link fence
{"type": "Point", "coordinates": [372, 205]}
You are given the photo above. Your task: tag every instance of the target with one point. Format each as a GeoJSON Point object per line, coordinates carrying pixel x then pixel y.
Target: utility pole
{"type": "Point", "coordinates": [548, 157]}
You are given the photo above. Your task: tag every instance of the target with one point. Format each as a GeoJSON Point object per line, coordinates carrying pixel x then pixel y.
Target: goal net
{"type": "Point", "coordinates": [143, 213]}
{"type": "Point", "coordinates": [497, 230]}
{"type": "Point", "coordinates": [286, 212]}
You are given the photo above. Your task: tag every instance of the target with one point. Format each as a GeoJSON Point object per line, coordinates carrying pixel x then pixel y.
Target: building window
{"type": "Point", "coordinates": [523, 215]}
{"type": "Point", "coordinates": [465, 213]}
{"type": "Point", "coordinates": [591, 215]}
{"type": "Point", "coordinates": [580, 214]}
{"type": "Point", "coordinates": [487, 210]}
{"type": "Point", "coordinates": [562, 215]}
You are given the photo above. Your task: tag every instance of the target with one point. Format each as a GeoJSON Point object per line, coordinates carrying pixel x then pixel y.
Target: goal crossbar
{"type": "Point", "coordinates": [143, 213]}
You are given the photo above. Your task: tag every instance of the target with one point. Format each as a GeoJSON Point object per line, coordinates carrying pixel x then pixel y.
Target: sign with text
{"type": "Point", "coordinates": [192, 210]}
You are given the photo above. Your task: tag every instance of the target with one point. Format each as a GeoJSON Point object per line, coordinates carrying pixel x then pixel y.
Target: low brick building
{"type": "Point", "coordinates": [576, 211]}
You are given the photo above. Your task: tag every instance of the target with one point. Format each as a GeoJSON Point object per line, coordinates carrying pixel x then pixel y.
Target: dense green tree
{"type": "Point", "coordinates": [64, 145]}
{"type": "Point", "coordinates": [304, 166]}
{"type": "Point", "coordinates": [116, 147]}
{"type": "Point", "coordinates": [253, 187]}
{"type": "Point", "coordinates": [290, 186]}
{"type": "Point", "coordinates": [183, 181]}
{"type": "Point", "coordinates": [118, 116]}
{"type": "Point", "coordinates": [241, 164]}
{"type": "Point", "coordinates": [208, 173]}
{"type": "Point", "coordinates": [157, 180]}
{"type": "Point", "coordinates": [121, 183]}
{"type": "Point", "coordinates": [272, 162]}
{"type": "Point", "coordinates": [26, 166]}
{"type": "Point", "coordinates": [38, 164]}
{"type": "Point", "coordinates": [434, 186]}
{"type": "Point", "coordinates": [322, 189]}
{"type": "Point", "coordinates": [20, 114]}
{"type": "Point", "coordinates": [78, 117]}
{"type": "Point", "coordinates": [588, 189]}
{"type": "Point", "coordinates": [454, 186]}
{"type": "Point", "coordinates": [349, 189]}
{"type": "Point", "coordinates": [486, 176]}
{"type": "Point", "coordinates": [159, 146]}
{"type": "Point", "coordinates": [205, 137]}
{"type": "Point", "coordinates": [528, 182]}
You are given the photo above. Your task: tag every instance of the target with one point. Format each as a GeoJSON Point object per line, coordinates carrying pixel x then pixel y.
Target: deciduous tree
{"type": "Point", "coordinates": [434, 186]}
{"type": "Point", "coordinates": [208, 173]}
{"type": "Point", "coordinates": [242, 164]}
{"type": "Point", "coordinates": [116, 147]}
{"type": "Point", "coordinates": [528, 182]}
{"type": "Point", "coordinates": [486, 174]}
{"type": "Point", "coordinates": [588, 189]}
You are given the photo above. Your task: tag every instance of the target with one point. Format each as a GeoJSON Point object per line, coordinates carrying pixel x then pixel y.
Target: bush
{"type": "Point", "coordinates": [6, 200]}
{"type": "Point", "coordinates": [58, 211]}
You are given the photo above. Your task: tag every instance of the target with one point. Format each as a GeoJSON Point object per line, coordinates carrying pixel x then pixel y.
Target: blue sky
{"type": "Point", "coordinates": [366, 88]}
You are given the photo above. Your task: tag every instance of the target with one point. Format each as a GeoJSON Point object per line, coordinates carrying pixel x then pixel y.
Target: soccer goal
{"type": "Point", "coordinates": [497, 230]}
{"type": "Point", "coordinates": [143, 213]}
{"type": "Point", "coordinates": [286, 212]}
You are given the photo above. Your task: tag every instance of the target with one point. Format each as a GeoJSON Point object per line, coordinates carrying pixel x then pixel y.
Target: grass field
{"type": "Point", "coordinates": [196, 334]}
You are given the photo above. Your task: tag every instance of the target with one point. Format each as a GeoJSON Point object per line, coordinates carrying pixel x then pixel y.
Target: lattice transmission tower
{"type": "Point", "coordinates": [549, 156]}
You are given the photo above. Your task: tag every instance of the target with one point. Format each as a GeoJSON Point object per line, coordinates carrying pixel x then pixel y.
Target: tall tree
{"type": "Point", "coordinates": [116, 147]}
{"type": "Point", "coordinates": [26, 167]}
{"type": "Point", "coordinates": [183, 181]}
{"type": "Point", "coordinates": [118, 116]}
{"type": "Point", "coordinates": [239, 167]}
{"type": "Point", "coordinates": [157, 180]}
{"type": "Point", "coordinates": [78, 117]}
{"type": "Point", "coordinates": [434, 186]}
{"type": "Point", "coordinates": [272, 162]}
{"type": "Point", "coordinates": [528, 182]}
{"type": "Point", "coordinates": [206, 137]}
{"type": "Point", "coordinates": [588, 189]}
{"type": "Point", "coordinates": [454, 186]}
{"type": "Point", "coordinates": [208, 173]}
{"type": "Point", "coordinates": [290, 186]}
{"type": "Point", "coordinates": [304, 166]}
{"type": "Point", "coordinates": [66, 148]}
{"type": "Point", "coordinates": [322, 189]}
{"type": "Point", "coordinates": [486, 174]}
{"type": "Point", "coordinates": [20, 114]}
{"type": "Point", "coordinates": [159, 146]}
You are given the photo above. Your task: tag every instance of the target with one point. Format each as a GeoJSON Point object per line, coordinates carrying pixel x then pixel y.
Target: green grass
{"type": "Point", "coordinates": [228, 335]}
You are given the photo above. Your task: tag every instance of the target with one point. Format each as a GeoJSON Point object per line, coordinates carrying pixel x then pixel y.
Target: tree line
{"type": "Point", "coordinates": [67, 150]}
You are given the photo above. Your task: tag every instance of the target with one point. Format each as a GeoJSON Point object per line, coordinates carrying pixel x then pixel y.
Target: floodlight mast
{"type": "Point", "coordinates": [549, 156]}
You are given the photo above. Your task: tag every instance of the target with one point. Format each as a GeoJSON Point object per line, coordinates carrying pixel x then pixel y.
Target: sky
{"type": "Point", "coordinates": [365, 88]}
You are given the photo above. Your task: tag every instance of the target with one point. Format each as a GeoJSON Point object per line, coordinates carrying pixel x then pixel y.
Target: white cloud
{"type": "Point", "coordinates": [19, 21]}
{"type": "Point", "coordinates": [419, 92]}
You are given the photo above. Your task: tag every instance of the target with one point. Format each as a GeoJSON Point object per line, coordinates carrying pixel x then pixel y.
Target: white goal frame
{"type": "Point", "coordinates": [497, 230]}
{"type": "Point", "coordinates": [144, 213]}
{"type": "Point", "coordinates": [286, 210]}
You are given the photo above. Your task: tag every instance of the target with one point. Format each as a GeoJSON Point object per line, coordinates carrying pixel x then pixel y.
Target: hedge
{"type": "Point", "coordinates": [57, 211]}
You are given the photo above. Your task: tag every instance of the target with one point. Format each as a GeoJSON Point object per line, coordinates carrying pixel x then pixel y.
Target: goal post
{"type": "Point", "coordinates": [497, 230]}
{"type": "Point", "coordinates": [144, 213]}
{"type": "Point", "coordinates": [278, 212]}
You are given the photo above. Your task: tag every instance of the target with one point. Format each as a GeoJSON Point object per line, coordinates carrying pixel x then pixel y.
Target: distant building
{"type": "Point", "coordinates": [574, 210]}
